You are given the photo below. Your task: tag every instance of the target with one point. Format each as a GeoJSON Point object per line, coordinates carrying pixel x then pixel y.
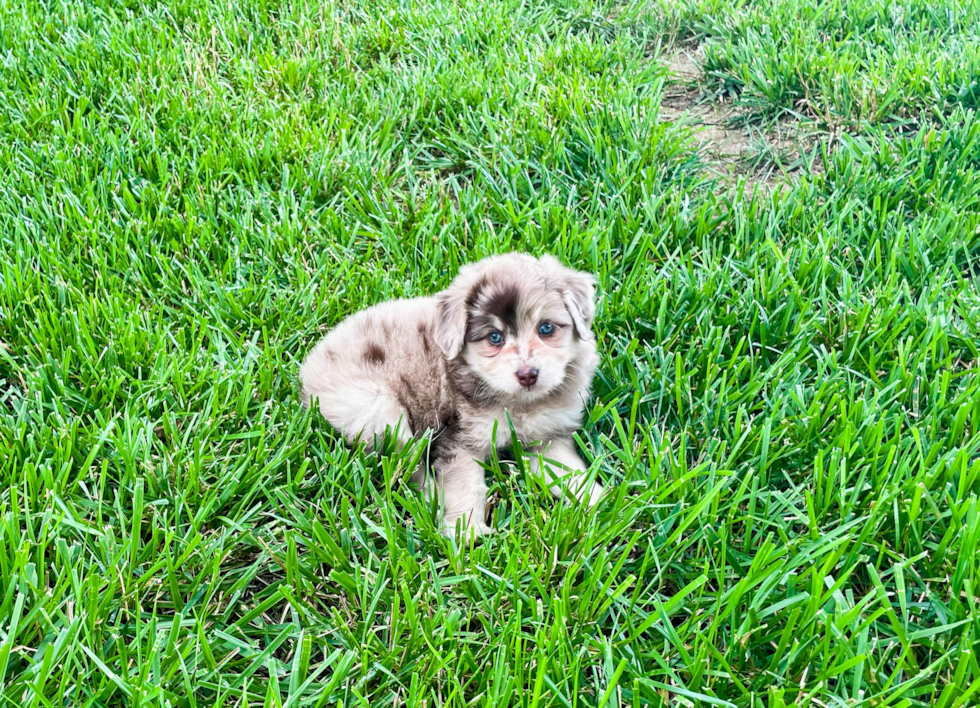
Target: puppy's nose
{"type": "Point", "coordinates": [527, 377]}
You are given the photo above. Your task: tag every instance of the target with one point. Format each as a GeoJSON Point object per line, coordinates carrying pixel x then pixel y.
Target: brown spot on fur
{"type": "Point", "coordinates": [445, 435]}
{"type": "Point", "coordinates": [475, 293]}
{"type": "Point", "coordinates": [406, 385]}
{"type": "Point", "coordinates": [479, 327]}
{"type": "Point", "coordinates": [408, 400]}
{"type": "Point", "coordinates": [374, 354]}
{"type": "Point", "coordinates": [424, 334]}
{"type": "Point", "coordinates": [465, 384]}
{"type": "Point", "coordinates": [489, 313]}
{"type": "Point", "coordinates": [503, 304]}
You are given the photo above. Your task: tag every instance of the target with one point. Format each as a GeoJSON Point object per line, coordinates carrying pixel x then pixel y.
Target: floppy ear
{"type": "Point", "coordinates": [579, 297]}
{"type": "Point", "coordinates": [451, 317]}
{"type": "Point", "coordinates": [578, 294]}
{"type": "Point", "coordinates": [451, 322]}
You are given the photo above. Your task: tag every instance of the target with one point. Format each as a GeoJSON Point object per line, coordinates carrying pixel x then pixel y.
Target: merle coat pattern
{"type": "Point", "coordinates": [511, 335]}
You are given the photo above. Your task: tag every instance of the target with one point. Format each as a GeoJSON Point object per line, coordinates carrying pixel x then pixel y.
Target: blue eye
{"type": "Point", "coordinates": [546, 330]}
{"type": "Point", "coordinates": [495, 337]}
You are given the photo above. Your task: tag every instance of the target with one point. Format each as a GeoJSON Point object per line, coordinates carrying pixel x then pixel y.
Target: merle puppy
{"type": "Point", "coordinates": [511, 335]}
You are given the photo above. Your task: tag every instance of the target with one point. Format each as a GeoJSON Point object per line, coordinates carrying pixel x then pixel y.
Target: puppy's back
{"type": "Point", "coordinates": [384, 357]}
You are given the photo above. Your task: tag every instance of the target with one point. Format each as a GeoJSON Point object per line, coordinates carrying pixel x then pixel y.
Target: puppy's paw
{"type": "Point", "coordinates": [594, 495]}
{"type": "Point", "coordinates": [584, 491]}
{"type": "Point", "coordinates": [463, 527]}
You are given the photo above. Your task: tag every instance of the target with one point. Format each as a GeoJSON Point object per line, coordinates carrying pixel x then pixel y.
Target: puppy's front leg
{"type": "Point", "coordinates": [463, 491]}
{"type": "Point", "coordinates": [573, 480]}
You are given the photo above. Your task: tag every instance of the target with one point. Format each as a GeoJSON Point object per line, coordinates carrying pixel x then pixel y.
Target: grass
{"type": "Point", "coordinates": [787, 413]}
{"type": "Point", "coordinates": [845, 63]}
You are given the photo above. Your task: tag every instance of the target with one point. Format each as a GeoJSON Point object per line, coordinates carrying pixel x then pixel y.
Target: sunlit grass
{"type": "Point", "coordinates": [787, 413]}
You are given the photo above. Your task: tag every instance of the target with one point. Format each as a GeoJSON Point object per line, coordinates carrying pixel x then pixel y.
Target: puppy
{"type": "Point", "coordinates": [511, 335]}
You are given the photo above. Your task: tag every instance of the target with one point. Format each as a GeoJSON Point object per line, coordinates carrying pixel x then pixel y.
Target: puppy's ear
{"type": "Point", "coordinates": [451, 322]}
{"type": "Point", "coordinates": [578, 294]}
{"type": "Point", "coordinates": [451, 318]}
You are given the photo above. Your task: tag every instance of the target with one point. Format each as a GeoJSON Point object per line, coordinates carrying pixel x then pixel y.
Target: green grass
{"type": "Point", "coordinates": [844, 63]}
{"type": "Point", "coordinates": [787, 413]}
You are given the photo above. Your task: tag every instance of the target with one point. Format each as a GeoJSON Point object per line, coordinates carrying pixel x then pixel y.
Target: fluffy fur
{"type": "Point", "coordinates": [512, 334]}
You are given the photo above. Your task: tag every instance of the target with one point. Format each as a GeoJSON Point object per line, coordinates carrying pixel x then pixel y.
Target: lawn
{"type": "Point", "coordinates": [786, 416]}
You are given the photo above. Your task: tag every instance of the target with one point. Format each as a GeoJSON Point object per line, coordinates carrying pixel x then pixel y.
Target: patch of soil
{"type": "Point", "coordinates": [769, 158]}
{"type": "Point", "coordinates": [683, 65]}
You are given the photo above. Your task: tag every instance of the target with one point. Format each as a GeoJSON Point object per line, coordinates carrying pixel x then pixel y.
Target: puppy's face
{"type": "Point", "coordinates": [518, 323]}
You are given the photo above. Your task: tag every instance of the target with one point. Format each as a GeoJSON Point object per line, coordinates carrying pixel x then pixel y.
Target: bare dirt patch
{"type": "Point", "coordinates": [769, 157]}
{"type": "Point", "coordinates": [684, 63]}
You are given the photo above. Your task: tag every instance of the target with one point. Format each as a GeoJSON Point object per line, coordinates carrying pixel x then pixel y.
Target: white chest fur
{"type": "Point", "coordinates": [538, 425]}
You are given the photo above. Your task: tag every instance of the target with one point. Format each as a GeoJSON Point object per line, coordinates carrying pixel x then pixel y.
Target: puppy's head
{"type": "Point", "coordinates": [519, 323]}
